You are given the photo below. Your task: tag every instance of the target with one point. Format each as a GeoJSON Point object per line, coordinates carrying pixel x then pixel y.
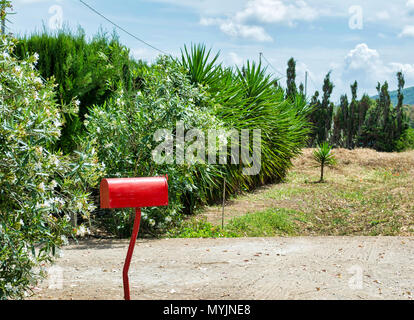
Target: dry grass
{"type": "Point", "coordinates": [366, 193]}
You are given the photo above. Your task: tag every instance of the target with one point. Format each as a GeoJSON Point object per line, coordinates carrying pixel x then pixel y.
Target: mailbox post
{"type": "Point", "coordinates": [133, 193]}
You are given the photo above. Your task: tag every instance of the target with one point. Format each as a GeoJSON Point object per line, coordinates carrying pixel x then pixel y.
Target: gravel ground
{"type": "Point", "coordinates": [245, 268]}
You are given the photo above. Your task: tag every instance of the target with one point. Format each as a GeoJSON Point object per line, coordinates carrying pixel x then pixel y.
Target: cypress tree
{"type": "Point", "coordinates": [291, 89]}
{"type": "Point", "coordinates": [399, 109]}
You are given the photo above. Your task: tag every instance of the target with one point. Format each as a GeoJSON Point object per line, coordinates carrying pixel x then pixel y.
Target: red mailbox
{"type": "Point", "coordinates": [133, 193]}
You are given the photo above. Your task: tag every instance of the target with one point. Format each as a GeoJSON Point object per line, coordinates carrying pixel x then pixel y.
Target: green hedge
{"type": "Point", "coordinates": [88, 70]}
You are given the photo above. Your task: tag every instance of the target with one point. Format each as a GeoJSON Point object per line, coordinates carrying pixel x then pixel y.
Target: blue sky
{"type": "Point", "coordinates": [367, 41]}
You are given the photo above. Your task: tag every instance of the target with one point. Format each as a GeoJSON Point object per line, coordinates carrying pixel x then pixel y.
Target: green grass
{"type": "Point", "coordinates": [368, 194]}
{"type": "Point", "coordinates": [267, 223]}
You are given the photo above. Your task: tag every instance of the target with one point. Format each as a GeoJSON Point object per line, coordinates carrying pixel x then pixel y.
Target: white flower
{"type": "Point", "coordinates": [41, 187]}
{"type": "Point", "coordinates": [81, 231]}
{"type": "Point", "coordinates": [151, 222]}
{"type": "Point", "coordinates": [21, 222]}
{"type": "Point", "coordinates": [57, 123]}
{"type": "Point", "coordinates": [6, 55]}
{"type": "Point", "coordinates": [79, 206]}
{"type": "Point", "coordinates": [39, 81]}
{"type": "Point", "coordinates": [98, 130]}
{"type": "Point", "coordinates": [67, 218]}
{"type": "Point", "coordinates": [64, 240]}
{"type": "Point", "coordinates": [53, 184]}
{"type": "Point", "coordinates": [168, 219]}
{"type": "Point", "coordinates": [77, 102]}
{"type": "Point", "coordinates": [36, 56]}
{"type": "Point", "coordinates": [54, 160]}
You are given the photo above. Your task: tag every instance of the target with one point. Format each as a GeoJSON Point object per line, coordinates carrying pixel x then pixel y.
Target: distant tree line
{"type": "Point", "coordinates": [356, 123]}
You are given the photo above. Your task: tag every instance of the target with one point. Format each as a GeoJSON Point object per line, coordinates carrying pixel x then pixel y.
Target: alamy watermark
{"type": "Point", "coordinates": [356, 21]}
{"type": "Point", "coordinates": [356, 282]}
{"type": "Point", "coordinates": [195, 146]}
{"type": "Point", "coordinates": [56, 20]}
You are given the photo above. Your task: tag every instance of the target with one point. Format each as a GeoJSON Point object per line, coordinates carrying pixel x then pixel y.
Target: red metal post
{"type": "Point", "coordinates": [130, 252]}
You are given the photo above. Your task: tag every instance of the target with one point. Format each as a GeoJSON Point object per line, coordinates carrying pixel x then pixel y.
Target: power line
{"type": "Point", "coordinates": [283, 76]}
{"type": "Point", "coordinates": [315, 86]}
{"type": "Point", "coordinates": [119, 27]}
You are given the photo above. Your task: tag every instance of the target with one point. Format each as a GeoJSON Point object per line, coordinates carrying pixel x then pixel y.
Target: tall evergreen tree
{"type": "Point", "coordinates": [314, 117]}
{"type": "Point", "coordinates": [327, 108]}
{"type": "Point", "coordinates": [399, 109]}
{"type": "Point", "coordinates": [291, 89]}
{"type": "Point", "coordinates": [352, 116]}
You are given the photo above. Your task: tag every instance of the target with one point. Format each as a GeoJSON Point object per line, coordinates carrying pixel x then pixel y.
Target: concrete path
{"type": "Point", "coordinates": [247, 268]}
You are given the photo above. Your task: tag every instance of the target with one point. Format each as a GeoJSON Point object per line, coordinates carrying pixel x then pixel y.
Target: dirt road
{"type": "Point", "coordinates": [246, 268]}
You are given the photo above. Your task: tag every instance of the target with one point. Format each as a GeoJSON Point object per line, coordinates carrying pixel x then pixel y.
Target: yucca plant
{"type": "Point", "coordinates": [324, 157]}
{"type": "Point", "coordinates": [201, 66]}
{"type": "Point", "coordinates": [246, 98]}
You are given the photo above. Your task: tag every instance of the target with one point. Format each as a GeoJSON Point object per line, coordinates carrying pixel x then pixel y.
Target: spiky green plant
{"type": "Point", "coordinates": [246, 98]}
{"type": "Point", "coordinates": [324, 157]}
{"type": "Point", "coordinates": [201, 66]}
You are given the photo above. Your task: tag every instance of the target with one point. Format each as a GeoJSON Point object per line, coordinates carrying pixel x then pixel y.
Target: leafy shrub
{"type": "Point", "coordinates": [204, 96]}
{"type": "Point", "coordinates": [124, 131]}
{"type": "Point", "coordinates": [406, 142]}
{"type": "Point", "coordinates": [40, 189]}
{"type": "Point", "coordinates": [90, 70]}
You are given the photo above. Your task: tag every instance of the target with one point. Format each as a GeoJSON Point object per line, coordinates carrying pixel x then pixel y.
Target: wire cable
{"type": "Point", "coordinates": [283, 76]}
{"type": "Point", "coordinates": [119, 27]}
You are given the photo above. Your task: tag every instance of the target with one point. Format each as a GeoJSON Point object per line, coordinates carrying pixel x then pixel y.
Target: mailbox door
{"type": "Point", "coordinates": [134, 192]}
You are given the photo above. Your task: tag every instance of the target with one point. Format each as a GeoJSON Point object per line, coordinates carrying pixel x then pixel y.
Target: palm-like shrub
{"type": "Point", "coordinates": [41, 189]}
{"type": "Point", "coordinates": [324, 157]}
{"type": "Point", "coordinates": [202, 68]}
{"type": "Point", "coordinates": [246, 98]}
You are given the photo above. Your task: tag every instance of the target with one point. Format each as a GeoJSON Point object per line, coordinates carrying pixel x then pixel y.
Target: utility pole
{"type": "Point", "coordinates": [260, 57]}
{"type": "Point", "coordinates": [306, 84]}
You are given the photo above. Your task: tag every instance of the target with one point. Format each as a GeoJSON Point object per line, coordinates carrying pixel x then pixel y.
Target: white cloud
{"type": "Point", "coordinates": [143, 54]}
{"type": "Point", "coordinates": [408, 31]}
{"type": "Point", "coordinates": [235, 59]}
{"type": "Point", "coordinates": [245, 31]}
{"type": "Point", "coordinates": [276, 11]}
{"type": "Point", "coordinates": [262, 11]}
{"type": "Point", "coordinates": [366, 66]}
{"type": "Point", "coordinates": [383, 15]}
{"type": "Point", "coordinates": [410, 3]}
{"type": "Point", "coordinates": [235, 29]}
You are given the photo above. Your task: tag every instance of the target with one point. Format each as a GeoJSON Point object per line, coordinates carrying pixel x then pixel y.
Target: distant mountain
{"type": "Point", "coordinates": [408, 96]}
